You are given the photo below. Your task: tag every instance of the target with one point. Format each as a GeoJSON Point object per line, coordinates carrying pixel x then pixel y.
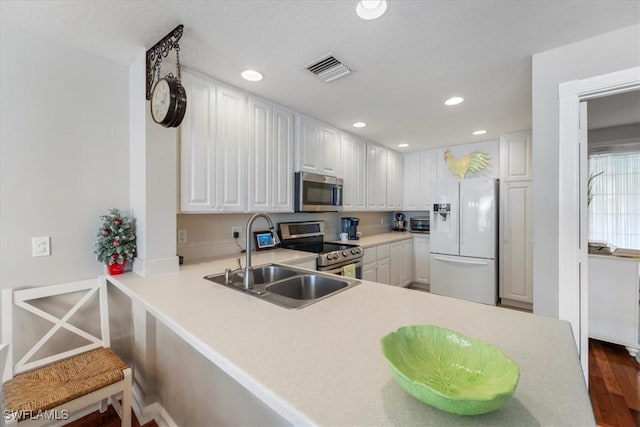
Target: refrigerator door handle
{"type": "Point", "coordinates": [459, 261]}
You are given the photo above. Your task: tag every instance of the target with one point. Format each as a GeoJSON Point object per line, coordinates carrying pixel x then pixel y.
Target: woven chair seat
{"type": "Point", "coordinates": [60, 382]}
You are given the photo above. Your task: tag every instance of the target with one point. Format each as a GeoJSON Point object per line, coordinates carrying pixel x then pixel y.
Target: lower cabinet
{"type": "Point", "coordinates": [389, 263]}
{"type": "Point", "coordinates": [401, 261]}
{"type": "Point", "coordinates": [613, 301]}
{"type": "Point", "coordinates": [376, 264]}
{"type": "Point", "coordinates": [516, 245]}
{"type": "Point", "coordinates": [421, 258]}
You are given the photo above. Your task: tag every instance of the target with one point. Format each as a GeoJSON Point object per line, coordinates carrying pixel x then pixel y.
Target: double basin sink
{"type": "Point", "coordinates": [286, 286]}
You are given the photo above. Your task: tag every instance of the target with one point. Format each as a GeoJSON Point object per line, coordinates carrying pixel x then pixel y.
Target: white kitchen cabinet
{"type": "Point", "coordinates": [394, 180]}
{"type": "Point", "coordinates": [376, 264]}
{"type": "Point", "coordinates": [317, 147]}
{"type": "Point", "coordinates": [197, 154]}
{"type": "Point", "coordinates": [516, 248]}
{"type": "Point", "coordinates": [270, 143]}
{"type": "Point", "coordinates": [515, 156]}
{"type": "Point", "coordinates": [383, 271]}
{"type": "Point", "coordinates": [419, 173]}
{"type": "Point", "coordinates": [376, 177]}
{"type": "Point", "coordinates": [613, 300]}
{"type": "Point", "coordinates": [212, 148]}
{"type": "Point", "coordinates": [401, 260]}
{"type": "Point", "coordinates": [369, 272]}
{"type": "Point", "coordinates": [421, 258]}
{"type": "Point", "coordinates": [230, 150]}
{"type": "Point", "coordinates": [353, 171]}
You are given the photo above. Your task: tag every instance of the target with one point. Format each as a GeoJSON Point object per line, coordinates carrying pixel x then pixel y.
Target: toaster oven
{"type": "Point", "coordinates": [419, 224]}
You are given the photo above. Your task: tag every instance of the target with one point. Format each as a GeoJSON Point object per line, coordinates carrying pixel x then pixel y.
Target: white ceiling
{"type": "Point", "coordinates": [405, 63]}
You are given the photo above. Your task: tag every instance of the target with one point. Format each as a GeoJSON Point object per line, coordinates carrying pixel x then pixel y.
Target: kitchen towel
{"type": "Point", "coordinates": [349, 270]}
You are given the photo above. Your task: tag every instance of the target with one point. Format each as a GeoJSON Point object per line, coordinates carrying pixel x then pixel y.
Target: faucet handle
{"type": "Point", "coordinates": [227, 276]}
{"type": "Point", "coordinates": [239, 263]}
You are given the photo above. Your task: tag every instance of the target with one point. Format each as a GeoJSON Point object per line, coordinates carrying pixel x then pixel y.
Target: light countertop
{"type": "Point", "coordinates": [322, 364]}
{"type": "Point", "coordinates": [379, 239]}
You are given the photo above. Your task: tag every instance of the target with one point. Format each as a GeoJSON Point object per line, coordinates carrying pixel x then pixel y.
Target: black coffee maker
{"type": "Point", "coordinates": [399, 224]}
{"type": "Point", "coordinates": [350, 226]}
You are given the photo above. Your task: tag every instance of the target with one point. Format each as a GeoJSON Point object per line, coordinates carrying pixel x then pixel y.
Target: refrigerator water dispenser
{"type": "Point", "coordinates": [444, 209]}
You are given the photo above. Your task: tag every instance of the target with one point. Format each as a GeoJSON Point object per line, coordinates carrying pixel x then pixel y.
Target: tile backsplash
{"type": "Point", "coordinates": [210, 235]}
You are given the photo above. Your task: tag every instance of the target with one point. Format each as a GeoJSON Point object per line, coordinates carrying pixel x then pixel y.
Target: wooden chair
{"type": "Point", "coordinates": [50, 388]}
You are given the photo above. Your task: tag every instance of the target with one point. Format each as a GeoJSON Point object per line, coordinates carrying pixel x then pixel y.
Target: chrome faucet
{"type": "Point", "coordinates": [247, 280]}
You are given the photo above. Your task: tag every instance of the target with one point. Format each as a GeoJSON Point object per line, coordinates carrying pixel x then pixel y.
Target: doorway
{"type": "Point", "coordinates": [573, 214]}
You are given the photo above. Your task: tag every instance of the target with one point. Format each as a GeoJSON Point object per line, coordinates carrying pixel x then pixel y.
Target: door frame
{"type": "Point", "coordinates": [572, 208]}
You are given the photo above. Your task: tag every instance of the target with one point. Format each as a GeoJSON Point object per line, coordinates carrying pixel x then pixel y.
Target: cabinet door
{"type": "Point", "coordinates": [420, 259]}
{"type": "Point", "coordinates": [261, 156]}
{"type": "Point", "coordinates": [359, 165]}
{"type": "Point", "coordinates": [407, 262]}
{"type": "Point", "coordinates": [394, 178]}
{"type": "Point", "coordinates": [330, 146]}
{"type": "Point", "coordinates": [411, 182]}
{"type": "Point", "coordinates": [396, 264]}
{"type": "Point", "coordinates": [369, 272]}
{"type": "Point", "coordinates": [230, 151]}
{"type": "Point", "coordinates": [516, 254]}
{"type": "Point", "coordinates": [428, 175]}
{"type": "Point", "coordinates": [383, 272]}
{"type": "Point", "coordinates": [282, 172]}
{"type": "Point", "coordinates": [515, 156]}
{"type": "Point", "coordinates": [347, 171]}
{"type": "Point", "coordinates": [376, 178]}
{"type": "Point", "coordinates": [197, 147]}
{"type": "Point", "coordinates": [308, 157]}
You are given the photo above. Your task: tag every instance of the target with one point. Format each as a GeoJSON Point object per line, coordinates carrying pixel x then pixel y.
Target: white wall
{"type": "Point", "coordinates": [606, 53]}
{"type": "Point", "coordinates": [64, 155]}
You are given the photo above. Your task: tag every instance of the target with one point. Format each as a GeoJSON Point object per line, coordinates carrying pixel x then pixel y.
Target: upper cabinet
{"type": "Point", "coordinates": [270, 157]}
{"type": "Point", "coordinates": [376, 177]}
{"type": "Point", "coordinates": [515, 156]}
{"type": "Point", "coordinates": [212, 148]}
{"type": "Point", "coordinates": [394, 180]}
{"type": "Point", "coordinates": [230, 150]}
{"type": "Point", "coordinates": [197, 148]}
{"type": "Point", "coordinates": [353, 167]}
{"type": "Point", "coordinates": [419, 173]}
{"type": "Point", "coordinates": [318, 147]}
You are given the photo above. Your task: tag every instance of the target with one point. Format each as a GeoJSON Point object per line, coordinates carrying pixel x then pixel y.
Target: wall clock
{"type": "Point", "coordinates": [168, 102]}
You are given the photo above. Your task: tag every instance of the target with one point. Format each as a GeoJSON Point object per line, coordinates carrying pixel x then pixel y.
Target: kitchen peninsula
{"type": "Point", "coordinates": [322, 365]}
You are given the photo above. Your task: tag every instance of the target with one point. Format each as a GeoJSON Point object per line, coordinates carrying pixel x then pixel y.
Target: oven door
{"type": "Point", "coordinates": [317, 193]}
{"type": "Point", "coordinates": [339, 268]}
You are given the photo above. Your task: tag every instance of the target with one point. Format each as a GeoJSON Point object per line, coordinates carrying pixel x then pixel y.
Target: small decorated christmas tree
{"type": "Point", "coordinates": [116, 242]}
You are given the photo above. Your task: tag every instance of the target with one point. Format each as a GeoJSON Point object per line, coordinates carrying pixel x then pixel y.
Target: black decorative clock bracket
{"type": "Point", "coordinates": [157, 52]}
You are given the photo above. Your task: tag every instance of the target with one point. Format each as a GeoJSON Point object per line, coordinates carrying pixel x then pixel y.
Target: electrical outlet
{"type": "Point", "coordinates": [40, 246]}
{"type": "Point", "coordinates": [182, 236]}
{"type": "Point", "coordinates": [236, 229]}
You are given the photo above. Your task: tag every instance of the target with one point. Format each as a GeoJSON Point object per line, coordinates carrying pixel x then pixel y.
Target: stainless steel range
{"type": "Point", "coordinates": [308, 236]}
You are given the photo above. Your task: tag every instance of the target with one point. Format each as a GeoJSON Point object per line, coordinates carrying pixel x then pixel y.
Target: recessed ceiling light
{"type": "Point", "coordinates": [454, 100]}
{"type": "Point", "coordinates": [371, 9]}
{"type": "Point", "coordinates": [479, 132]}
{"type": "Point", "coordinates": [359, 124]}
{"type": "Point", "coordinates": [252, 75]}
{"type": "Point", "coordinates": [403, 145]}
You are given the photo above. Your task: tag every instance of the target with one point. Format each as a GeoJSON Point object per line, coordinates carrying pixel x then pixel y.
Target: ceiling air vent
{"type": "Point", "coordinates": [328, 68]}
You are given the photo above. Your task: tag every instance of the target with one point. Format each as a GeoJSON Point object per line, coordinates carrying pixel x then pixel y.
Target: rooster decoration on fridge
{"type": "Point", "coordinates": [473, 162]}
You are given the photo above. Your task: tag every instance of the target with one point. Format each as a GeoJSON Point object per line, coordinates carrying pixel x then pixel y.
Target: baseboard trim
{"type": "Point", "coordinates": [151, 412]}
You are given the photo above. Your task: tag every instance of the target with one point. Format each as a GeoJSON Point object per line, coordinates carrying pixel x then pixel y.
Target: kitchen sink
{"type": "Point", "coordinates": [309, 286]}
{"type": "Point", "coordinates": [286, 286]}
{"type": "Point", "coordinates": [264, 274]}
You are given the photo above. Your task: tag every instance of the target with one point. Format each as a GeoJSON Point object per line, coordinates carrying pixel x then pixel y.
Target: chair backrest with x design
{"type": "Point", "coordinates": [27, 299]}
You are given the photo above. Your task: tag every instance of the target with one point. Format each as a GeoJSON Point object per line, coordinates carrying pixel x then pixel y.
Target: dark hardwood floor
{"type": "Point", "coordinates": [614, 385]}
{"type": "Point", "coordinates": [108, 419]}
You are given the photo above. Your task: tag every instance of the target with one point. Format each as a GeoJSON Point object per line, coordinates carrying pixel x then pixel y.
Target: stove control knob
{"type": "Point", "coordinates": [355, 251]}
{"type": "Point", "coordinates": [344, 253]}
{"type": "Point", "coordinates": [334, 255]}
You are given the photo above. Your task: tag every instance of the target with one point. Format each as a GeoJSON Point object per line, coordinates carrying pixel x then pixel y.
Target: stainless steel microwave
{"type": "Point", "coordinates": [317, 193]}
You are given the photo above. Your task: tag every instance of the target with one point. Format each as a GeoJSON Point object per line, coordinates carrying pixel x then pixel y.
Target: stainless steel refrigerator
{"type": "Point", "coordinates": [464, 233]}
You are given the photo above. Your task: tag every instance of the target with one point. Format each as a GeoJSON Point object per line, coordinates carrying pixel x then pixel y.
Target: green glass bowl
{"type": "Point", "coordinates": [450, 371]}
